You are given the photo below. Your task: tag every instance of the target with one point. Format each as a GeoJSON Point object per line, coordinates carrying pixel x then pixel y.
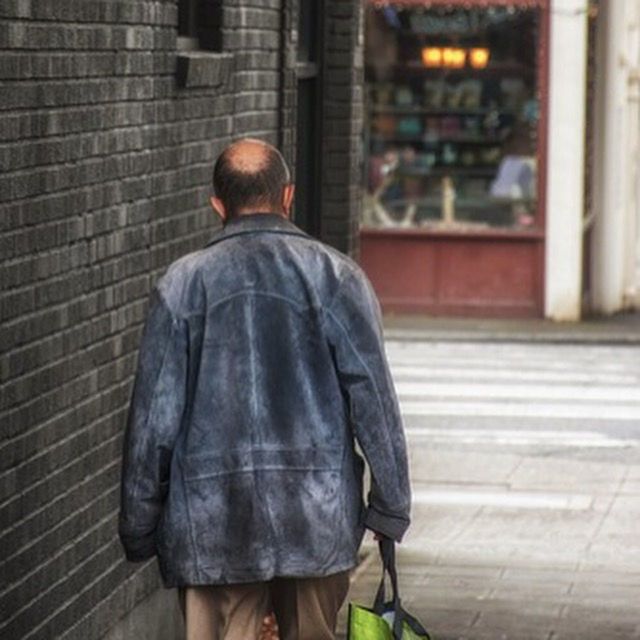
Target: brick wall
{"type": "Point", "coordinates": [106, 161]}
{"type": "Point", "coordinates": [343, 121]}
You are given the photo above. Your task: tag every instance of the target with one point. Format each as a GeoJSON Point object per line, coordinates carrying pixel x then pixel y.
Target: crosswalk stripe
{"type": "Point", "coordinates": [521, 437]}
{"type": "Point", "coordinates": [504, 499]}
{"type": "Point", "coordinates": [403, 372]}
{"type": "Point", "coordinates": [522, 410]}
{"type": "Point", "coordinates": [627, 394]}
{"type": "Point", "coordinates": [619, 368]}
{"type": "Point", "coordinates": [517, 381]}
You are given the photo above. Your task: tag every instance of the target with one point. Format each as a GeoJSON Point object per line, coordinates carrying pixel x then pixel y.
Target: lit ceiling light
{"type": "Point", "coordinates": [432, 57]}
{"type": "Point", "coordinates": [453, 57]}
{"type": "Point", "coordinates": [479, 58]}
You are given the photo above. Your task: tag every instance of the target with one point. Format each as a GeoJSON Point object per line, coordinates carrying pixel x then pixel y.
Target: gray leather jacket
{"type": "Point", "coordinates": [261, 363]}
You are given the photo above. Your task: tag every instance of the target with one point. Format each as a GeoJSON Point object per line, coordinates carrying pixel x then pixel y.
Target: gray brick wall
{"type": "Point", "coordinates": [343, 89]}
{"type": "Point", "coordinates": [105, 164]}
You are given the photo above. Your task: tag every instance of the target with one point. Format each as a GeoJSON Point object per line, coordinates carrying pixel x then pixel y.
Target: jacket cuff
{"type": "Point", "coordinates": [393, 527]}
{"type": "Point", "coordinates": [138, 548]}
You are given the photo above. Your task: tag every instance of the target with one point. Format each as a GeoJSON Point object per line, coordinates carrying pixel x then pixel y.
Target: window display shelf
{"type": "Point", "coordinates": [449, 142]}
{"type": "Point", "coordinates": [431, 111]}
{"type": "Point", "coordinates": [427, 139]}
{"type": "Point", "coordinates": [438, 172]}
{"type": "Point", "coordinates": [412, 68]}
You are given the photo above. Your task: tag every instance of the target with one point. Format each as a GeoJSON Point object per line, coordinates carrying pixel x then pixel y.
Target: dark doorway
{"type": "Point", "coordinates": [309, 117]}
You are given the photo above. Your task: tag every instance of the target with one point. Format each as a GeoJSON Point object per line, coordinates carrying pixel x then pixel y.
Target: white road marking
{"type": "Point", "coordinates": [520, 410]}
{"type": "Point", "coordinates": [402, 371]}
{"type": "Point", "coordinates": [529, 437]}
{"type": "Point", "coordinates": [528, 391]}
{"type": "Point", "coordinates": [505, 499]}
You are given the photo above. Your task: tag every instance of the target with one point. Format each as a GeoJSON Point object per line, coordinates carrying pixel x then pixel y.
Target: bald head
{"type": "Point", "coordinates": [250, 176]}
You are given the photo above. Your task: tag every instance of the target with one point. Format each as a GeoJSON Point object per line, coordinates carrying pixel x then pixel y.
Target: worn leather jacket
{"type": "Point", "coordinates": [261, 365]}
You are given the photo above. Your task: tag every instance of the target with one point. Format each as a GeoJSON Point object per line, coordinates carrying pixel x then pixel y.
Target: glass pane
{"type": "Point", "coordinates": [306, 205]}
{"type": "Point", "coordinates": [453, 113]}
{"type": "Point", "coordinates": [307, 30]}
{"type": "Point", "coordinates": [187, 18]}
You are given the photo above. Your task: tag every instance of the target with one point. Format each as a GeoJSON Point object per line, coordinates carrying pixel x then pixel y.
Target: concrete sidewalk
{"type": "Point", "coordinates": [525, 468]}
{"type": "Point", "coordinates": [623, 328]}
{"type": "Point", "coordinates": [565, 570]}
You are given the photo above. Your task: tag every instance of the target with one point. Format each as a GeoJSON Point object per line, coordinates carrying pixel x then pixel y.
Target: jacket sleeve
{"type": "Point", "coordinates": [354, 328]}
{"type": "Point", "coordinates": [153, 421]}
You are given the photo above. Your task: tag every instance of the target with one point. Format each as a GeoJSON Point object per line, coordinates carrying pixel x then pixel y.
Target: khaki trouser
{"type": "Point", "coordinates": [305, 608]}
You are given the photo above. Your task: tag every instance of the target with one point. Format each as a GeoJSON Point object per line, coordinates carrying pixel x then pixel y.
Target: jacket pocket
{"type": "Point", "coordinates": [259, 511]}
{"type": "Point", "coordinates": [198, 466]}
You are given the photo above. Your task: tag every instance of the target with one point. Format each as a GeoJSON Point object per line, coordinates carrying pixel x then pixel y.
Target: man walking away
{"type": "Point", "coordinates": [261, 365]}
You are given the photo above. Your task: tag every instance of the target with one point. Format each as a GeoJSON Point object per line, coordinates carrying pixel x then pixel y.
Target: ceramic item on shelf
{"type": "Point", "coordinates": [449, 154]}
{"type": "Point", "coordinates": [471, 93]}
{"type": "Point", "coordinates": [455, 93]}
{"type": "Point", "coordinates": [471, 125]}
{"type": "Point", "coordinates": [432, 128]}
{"type": "Point", "coordinates": [491, 155]}
{"type": "Point", "coordinates": [383, 94]}
{"type": "Point", "coordinates": [450, 127]}
{"type": "Point", "coordinates": [404, 96]}
{"type": "Point", "coordinates": [468, 158]}
{"type": "Point", "coordinates": [409, 126]}
{"type": "Point", "coordinates": [426, 160]}
{"type": "Point", "coordinates": [514, 93]}
{"type": "Point", "coordinates": [434, 93]}
{"type": "Point", "coordinates": [384, 124]}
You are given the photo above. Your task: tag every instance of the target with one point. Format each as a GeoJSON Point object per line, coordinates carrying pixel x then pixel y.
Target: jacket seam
{"type": "Point", "coordinates": [244, 232]}
{"type": "Point", "coordinates": [152, 403]}
{"type": "Point", "coordinates": [363, 364]}
{"type": "Point", "coordinates": [265, 294]}
{"type": "Point", "coordinates": [192, 539]}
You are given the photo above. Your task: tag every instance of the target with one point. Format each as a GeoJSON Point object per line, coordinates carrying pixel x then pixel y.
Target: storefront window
{"type": "Point", "coordinates": [452, 103]}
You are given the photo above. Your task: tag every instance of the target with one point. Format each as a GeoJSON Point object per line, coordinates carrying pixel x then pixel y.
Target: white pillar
{"type": "Point", "coordinates": [565, 160]}
{"type": "Point", "coordinates": [616, 192]}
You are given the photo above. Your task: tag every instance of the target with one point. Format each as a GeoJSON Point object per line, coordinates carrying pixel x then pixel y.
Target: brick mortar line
{"type": "Point", "coordinates": [56, 444]}
{"type": "Point", "coordinates": [118, 179]}
{"type": "Point", "coordinates": [59, 472]}
{"type": "Point", "coordinates": [104, 416]}
{"type": "Point", "coordinates": [136, 575]}
{"type": "Point", "coordinates": [106, 133]}
{"type": "Point", "coordinates": [30, 51]}
{"type": "Point", "coordinates": [81, 109]}
{"type": "Point", "coordinates": [69, 137]}
{"type": "Point", "coordinates": [61, 361]}
{"type": "Point", "coordinates": [198, 91]}
{"type": "Point", "coordinates": [49, 225]}
{"type": "Point", "coordinates": [22, 260]}
{"type": "Point", "coordinates": [47, 22]}
{"type": "Point", "coordinates": [70, 78]}
{"type": "Point", "coordinates": [32, 373]}
{"type": "Point", "coordinates": [69, 192]}
{"type": "Point", "coordinates": [65, 547]}
{"type": "Point", "coordinates": [63, 276]}
{"type": "Point", "coordinates": [85, 161]}
{"type": "Point", "coordinates": [60, 305]}
{"type": "Point", "coordinates": [75, 596]}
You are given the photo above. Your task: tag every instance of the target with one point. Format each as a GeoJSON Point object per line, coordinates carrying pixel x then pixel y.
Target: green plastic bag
{"type": "Point", "coordinates": [385, 620]}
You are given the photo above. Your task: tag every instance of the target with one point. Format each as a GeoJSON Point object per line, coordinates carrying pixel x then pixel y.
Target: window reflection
{"type": "Point", "coordinates": [452, 117]}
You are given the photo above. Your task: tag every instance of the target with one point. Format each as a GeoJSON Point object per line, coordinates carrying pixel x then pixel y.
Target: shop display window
{"type": "Point", "coordinates": [452, 116]}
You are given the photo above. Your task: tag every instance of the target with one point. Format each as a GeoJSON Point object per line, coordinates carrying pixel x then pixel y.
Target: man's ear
{"type": "Point", "coordinates": [218, 208]}
{"type": "Point", "coordinates": [287, 198]}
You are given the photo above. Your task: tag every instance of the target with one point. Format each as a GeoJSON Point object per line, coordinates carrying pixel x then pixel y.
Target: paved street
{"type": "Point", "coordinates": [526, 476]}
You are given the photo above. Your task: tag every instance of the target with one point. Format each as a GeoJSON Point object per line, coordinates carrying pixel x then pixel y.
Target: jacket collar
{"type": "Point", "coordinates": [256, 223]}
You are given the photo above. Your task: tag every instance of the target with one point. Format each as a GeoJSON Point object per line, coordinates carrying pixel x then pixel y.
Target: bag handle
{"type": "Point", "coordinates": [387, 550]}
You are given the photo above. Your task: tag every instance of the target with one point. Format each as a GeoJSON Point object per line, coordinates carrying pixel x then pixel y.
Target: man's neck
{"type": "Point", "coordinates": [253, 212]}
